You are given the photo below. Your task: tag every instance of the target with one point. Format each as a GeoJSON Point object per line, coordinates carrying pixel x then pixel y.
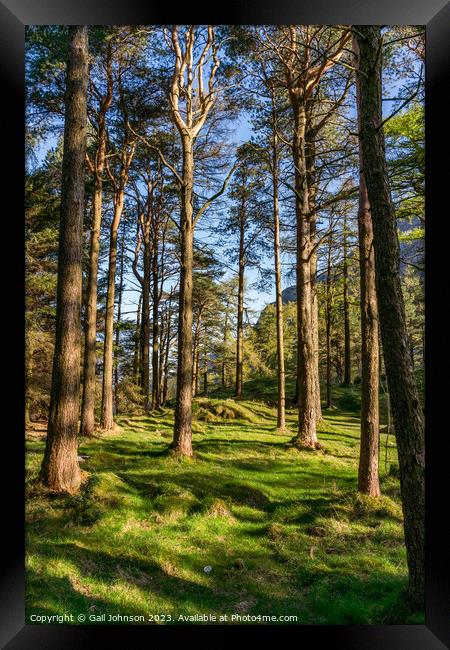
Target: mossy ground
{"type": "Point", "coordinates": [283, 530]}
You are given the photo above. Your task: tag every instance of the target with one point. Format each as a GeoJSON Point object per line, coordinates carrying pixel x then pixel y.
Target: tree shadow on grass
{"type": "Point", "coordinates": [61, 596]}
{"type": "Point", "coordinates": [201, 486]}
{"type": "Point", "coordinates": [300, 511]}
{"type": "Point", "coordinates": [108, 568]}
{"type": "Point", "coordinates": [337, 436]}
{"type": "Point", "coordinates": [254, 578]}
{"type": "Point", "coordinates": [216, 445]}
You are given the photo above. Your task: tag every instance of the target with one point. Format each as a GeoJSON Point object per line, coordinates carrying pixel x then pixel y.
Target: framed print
{"type": "Point", "coordinates": [232, 323]}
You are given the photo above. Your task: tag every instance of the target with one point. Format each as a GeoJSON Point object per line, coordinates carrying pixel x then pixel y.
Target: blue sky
{"type": "Point", "coordinates": [255, 301]}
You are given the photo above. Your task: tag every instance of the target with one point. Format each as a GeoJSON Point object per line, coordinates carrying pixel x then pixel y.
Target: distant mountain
{"type": "Point", "coordinates": [290, 293]}
{"type": "Point", "coordinates": [410, 251]}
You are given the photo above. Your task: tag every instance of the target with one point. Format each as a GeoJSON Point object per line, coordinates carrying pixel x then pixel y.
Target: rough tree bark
{"type": "Point", "coordinates": [119, 317]}
{"type": "Point", "coordinates": [136, 353]}
{"type": "Point", "coordinates": [182, 440]}
{"type": "Point", "coordinates": [156, 289]}
{"type": "Point", "coordinates": [302, 77]}
{"type": "Point", "coordinates": [310, 156]}
{"type": "Point", "coordinates": [281, 405]}
{"type": "Point", "coordinates": [225, 335]}
{"type": "Point", "coordinates": [368, 479]}
{"type": "Point", "coordinates": [167, 347]}
{"type": "Point", "coordinates": [240, 309]}
{"type": "Point", "coordinates": [306, 436]}
{"type": "Point", "coordinates": [315, 321]}
{"type": "Point", "coordinates": [303, 72]}
{"type": "Point", "coordinates": [119, 182]}
{"type": "Point", "coordinates": [162, 349]}
{"type": "Point", "coordinates": [189, 123]}
{"type": "Point", "coordinates": [107, 417]}
{"type": "Point", "coordinates": [328, 306]}
{"type": "Point", "coordinates": [97, 167]}
{"type": "Point", "coordinates": [143, 236]}
{"type": "Point", "coordinates": [406, 408]}
{"type": "Point", "coordinates": [155, 324]}
{"type": "Point", "coordinates": [196, 353]}
{"type": "Point", "coordinates": [347, 350]}
{"type": "Point", "coordinates": [60, 470]}
{"type": "Point", "coordinates": [28, 374]}
{"type": "Point", "coordinates": [205, 364]}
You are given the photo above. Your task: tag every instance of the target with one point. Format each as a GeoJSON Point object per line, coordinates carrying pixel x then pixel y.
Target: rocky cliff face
{"type": "Point", "coordinates": [412, 252]}
{"type": "Point", "coordinates": [289, 295]}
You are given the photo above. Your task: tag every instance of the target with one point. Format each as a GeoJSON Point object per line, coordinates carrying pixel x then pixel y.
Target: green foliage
{"type": "Point", "coordinates": [130, 398]}
{"type": "Point", "coordinates": [41, 256]}
{"type": "Point", "coordinates": [405, 139]}
{"type": "Point", "coordinates": [350, 401]}
{"type": "Point", "coordinates": [414, 299]}
{"type": "Point", "coordinates": [83, 507]}
{"type": "Point", "coordinates": [264, 336]}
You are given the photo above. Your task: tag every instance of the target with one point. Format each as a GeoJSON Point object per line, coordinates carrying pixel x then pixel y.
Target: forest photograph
{"type": "Point", "coordinates": [225, 324]}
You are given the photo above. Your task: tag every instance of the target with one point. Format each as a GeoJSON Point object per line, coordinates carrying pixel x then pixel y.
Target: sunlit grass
{"type": "Point", "coordinates": [283, 530]}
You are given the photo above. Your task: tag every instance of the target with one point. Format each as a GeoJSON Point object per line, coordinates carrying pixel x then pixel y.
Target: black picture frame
{"type": "Point", "coordinates": [14, 15]}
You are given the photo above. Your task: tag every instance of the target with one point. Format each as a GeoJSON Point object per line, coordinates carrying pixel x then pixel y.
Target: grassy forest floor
{"type": "Point", "coordinates": [283, 530]}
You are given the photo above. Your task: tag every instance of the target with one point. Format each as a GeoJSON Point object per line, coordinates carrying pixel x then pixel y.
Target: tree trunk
{"type": "Point", "coordinates": [155, 325]}
{"type": "Point", "coordinates": [281, 406]}
{"type": "Point", "coordinates": [145, 326]}
{"type": "Point", "coordinates": [368, 481]}
{"type": "Point", "coordinates": [205, 366]}
{"type": "Point", "coordinates": [406, 408]}
{"type": "Point", "coordinates": [310, 159]}
{"type": "Point", "coordinates": [388, 413]}
{"type": "Point", "coordinates": [162, 349]}
{"type": "Point", "coordinates": [90, 357]}
{"type": "Point", "coordinates": [295, 396]}
{"type": "Point", "coordinates": [107, 418]}
{"type": "Point", "coordinates": [315, 332]}
{"type": "Point", "coordinates": [136, 354]}
{"type": "Point", "coordinates": [195, 355]}
{"type": "Point", "coordinates": [328, 306]}
{"type": "Point", "coordinates": [306, 436]}
{"type": "Point", "coordinates": [338, 362]}
{"type": "Point", "coordinates": [60, 469]}
{"type": "Point", "coordinates": [28, 373]}
{"type": "Point", "coordinates": [225, 334]}
{"type": "Point", "coordinates": [196, 389]}
{"type": "Point", "coordinates": [240, 313]}
{"type": "Point", "coordinates": [166, 354]}
{"type": "Point", "coordinates": [182, 438]}
{"type": "Point", "coordinates": [347, 350]}
{"type": "Point", "coordinates": [119, 316]}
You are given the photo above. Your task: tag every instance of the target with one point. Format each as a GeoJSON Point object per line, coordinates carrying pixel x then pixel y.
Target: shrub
{"type": "Point", "coordinates": [82, 507]}
{"type": "Point", "coordinates": [129, 398]}
{"type": "Point", "coordinates": [349, 402]}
